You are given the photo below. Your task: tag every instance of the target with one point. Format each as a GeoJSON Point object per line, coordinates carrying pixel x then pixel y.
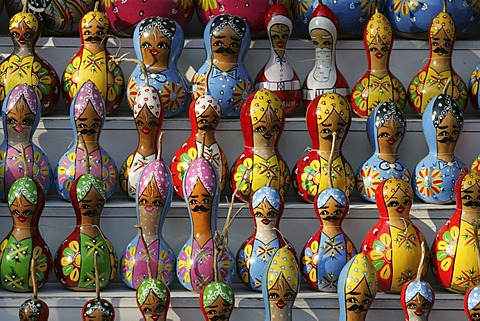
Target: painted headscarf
{"type": "Point", "coordinates": [418, 287]}
{"type": "Point", "coordinates": [29, 19]}
{"type": "Point", "coordinates": [98, 16]}
{"type": "Point", "coordinates": [473, 298]}
{"type": "Point", "coordinates": [436, 110]}
{"type": "Point", "coordinates": [88, 93]}
{"type": "Point", "coordinates": [239, 26]}
{"type": "Point", "coordinates": [38, 307]}
{"type": "Point", "coordinates": [442, 21]}
{"type": "Point", "coordinates": [255, 107]}
{"type": "Point", "coordinates": [23, 186]}
{"type": "Point", "coordinates": [337, 194]}
{"type": "Point", "coordinates": [379, 27]}
{"type": "Point", "coordinates": [217, 289]}
{"type": "Point", "coordinates": [148, 96]}
{"type": "Point", "coordinates": [155, 286]}
{"type": "Point", "coordinates": [321, 107]}
{"type": "Point", "coordinates": [387, 189]}
{"type": "Point", "coordinates": [170, 28]}
{"type": "Point", "coordinates": [378, 117]}
{"type": "Point", "coordinates": [283, 262]}
{"type": "Point", "coordinates": [324, 18]}
{"type": "Point", "coordinates": [202, 103]}
{"type": "Point", "coordinates": [272, 196]}
{"type": "Point", "coordinates": [358, 268]}
{"type": "Point", "coordinates": [85, 183]}
{"type": "Point", "coordinates": [200, 169]}
{"type": "Point", "coordinates": [279, 14]}
{"type": "Point", "coordinates": [463, 183]}
{"type": "Point", "coordinates": [105, 307]}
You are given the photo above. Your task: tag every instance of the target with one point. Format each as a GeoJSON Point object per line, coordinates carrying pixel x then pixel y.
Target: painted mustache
{"type": "Point", "coordinates": [356, 308]}
{"type": "Point", "coordinates": [447, 140]}
{"type": "Point", "coordinates": [93, 38]}
{"type": "Point", "coordinates": [200, 208]}
{"type": "Point", "coordinates": [206, 127]}
{"type": "Point", "coordinates": [440, 50]}
{"type": "Point", "coordinates": [221, 50]}
{"type": "Point", "coordinates": [330, 218]}
{"type": "Point", "coordinates": [90, 213]}
{"type": "Point", "coordinates": [87, 131]}
{"type": "Point", "coordinates": [218, 317]}
{"type": "Point", "coordinates": [472, 203]}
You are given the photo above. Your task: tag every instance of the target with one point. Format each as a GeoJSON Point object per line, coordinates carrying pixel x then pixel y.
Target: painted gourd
{"type": "Point", "coordinates": [87, 115]}
{"type": "Point", "coordinates": [93, 63]}
{"type": "Point", "coordinates": [327, 114]}
{"type": "Point", "coordinates": [281, 285]}
{"type": "Point", "coordinates": [352, 14]}
{"type": "Point", "coordinates": [148, 117]}
{"type": "Point", "coordinates": [20, 116]}
{"type": "Point", "coordinates": [329, 249]}
{"type": "Point", "coordinates": [325, 77]}
{"type": "Point", "coordinates": [471, 303]}
{"type": "Point", "coordinates": [195, 262]}
{"type": "Point", "coordinates": [277, 74]}
{"type": "Point", "coordinates": [266, 207]}
{"type": "Point", "coordinates": [417, 298]}
{"type": "Point", "coordinates": [204, 114]}
{"type": "Point", "coordinates": [394, 243]}
{"type": "Point", "coordinates": [252, 11]}
{"type": "Point", "coordinates": [125, 15]}
{"type": "Point", "coordinates": [25, 67]}
{"type": "Point", "coordinates": [386, 127]}
{"type": "Point", "coordinates": [224, 75]}
{"type": "Point", "coordinates": [74, 260]}
{"type": "Point", "coordinates": [153, 300]}
{"type": "Point", "coordinates": [454, 246]}
{"type": "Point", "coordinates": [378, 84]}
{"type": "Point", "coordinates": [436, 174]}
{"type": "Point", "coordinates": [24, 243]}
{"type": "Point", "coordinates": [412, 19]}
{"type": "Point", "coordinates": [98, 309]}
{"type": "Point", "coordinates": [262, 122]}
{"type": "Point", "coordinates": [153, 199]}
{"type": "Point", "coordinates": [357, 288]}
{"type": "Point", "coordinates": [59, 18]}
{"type": "Point", "coordinates": [438, 75]}
{"type": "Point", "coordinates": [34, 309]}
{"type": "Point", "coordinates": [217, 301]}
{"type": "Point", "coordinates": [158, 42]}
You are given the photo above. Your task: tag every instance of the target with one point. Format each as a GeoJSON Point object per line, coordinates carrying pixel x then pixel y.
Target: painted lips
{"type": "Point", "coordinates": [400, 209]}
{"type": "Point", "coordinates": [154, 52]}
{"type": "Point", "coordinates": [267, 136]}
{"type": "Point", "coordinates": [266, 221]}
{"type": "Point", "coordinates": [145, 130]}
{"type": "Point", "coordinates": [18, 128]}
{"type": "Point", "coordinates": [280, 304]}
{"type": "Point", "coordinates": [379, 55]}
{"type": "Point", "coordinates": [418, 312]}
{"type": "Point", "coordinates": [280, 44]}
{"type": "Point", "coordinates": [22, 218]}
{"type": "Point", "coordinates": [391, 140]}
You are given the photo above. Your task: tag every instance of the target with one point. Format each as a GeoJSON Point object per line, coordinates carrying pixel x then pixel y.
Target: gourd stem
{"type": "Point", "coordinates": [97, 276]}
{"type": "Point", "coordinates": [159, 145]}
{"type": "Point", "coordinates": [34, 279]}
{"type": "Point", "coordinates": [330, 159]}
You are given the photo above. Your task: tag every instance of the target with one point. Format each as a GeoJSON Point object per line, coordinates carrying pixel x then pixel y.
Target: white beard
{"type": "Point", "coordinates": [324, 69]}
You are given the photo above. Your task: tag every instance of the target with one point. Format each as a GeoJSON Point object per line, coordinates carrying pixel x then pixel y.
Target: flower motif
{"type": "Point", "coordinates": [128, 262]}
{"type": "Point", "coordinates": [368, 181]}
{"type": "Point", "coordinates": [114, 81]}
{"type": "Point", "coordinates": [70, 75]}
{"type": "Point", "coordinates": [381, 256]}
{"type": "Point", "coordinates": [415, 91]}
{"type": "Point", "coordinates": [309, 261]}
{"type": "Point", "coordinates": [185, 160]}
{"type": "Point", "coordinates": [41, 264]}
{"type": "Point", "coordinates": [207, 5]}
{"type": "Point", "coordinates": [165, 266]}
{"type": "Point", "coordinates": [242, 89]}
{"type": "Point", "coordinates": [241, 182]}
{"type": "Point", "coordinates": [132, 91]}
{"type": "Point", "coordinates": [199, 85]}
{"type": "Point", "coordinates": [406, 7]}
{"type": "Point", "coordinates": [243, 262]}
{"type": "Point", "coordinates": [185, 263]}
{"type": "Point", "coordinates": [71, 261]}
{"type": "Point", "coordinates": [447, 247]}
{"type": "Point", "coordinates": [429, 182]}
{"type": "Point", "coordinates": [172, 95]}
{"type": "Point", "coordinates": [300, 8]}
{"type": "Point", "coordinates": [311, 177]}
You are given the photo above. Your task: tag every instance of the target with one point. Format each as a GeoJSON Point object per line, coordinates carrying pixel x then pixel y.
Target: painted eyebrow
{"type": "Point", "coordinates": [219, 37]}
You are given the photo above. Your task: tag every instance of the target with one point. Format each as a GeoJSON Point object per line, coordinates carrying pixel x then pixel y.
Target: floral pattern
{"type": "Point", "coordinates": [172, 95]}
{"type": "Point", "coordinates": [242, 182]}
{"type": "Point", "coordinates": [185, 264]}
{"type": "Point", "coordinates": [199, 85]}
{"type": "Point", "coordinates": [309, 261]}
{"type": "Point", "coordinates": [429, 182]}
{"type": "Point", "coordinates": [447, 247]}
{"type": "Point", "coordinates": [368, 181]}
{"type": "Point", "coordinates": [243, 88]}
{"type": "Point", "coordinates": [71, 261]}
{"type": "Point", "coordinates": [381, 256]}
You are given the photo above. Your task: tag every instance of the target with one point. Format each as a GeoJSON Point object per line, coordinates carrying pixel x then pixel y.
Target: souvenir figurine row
{"type": "Point", "coordinates": [410, 20]}
{"type": "Point", "coordinates": [159, 41]}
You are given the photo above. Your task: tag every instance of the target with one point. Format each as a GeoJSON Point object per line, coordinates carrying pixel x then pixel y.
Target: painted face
{"type": "Point", "coordinates": [358, 301]}
{"type": "Point", "coordinates": [265, 215]}
{"type": "Point", "coordinates": [200, 201]}
{"type": "Point", "coordinates": [333, 123]}
{"type": "Point", "coordinates": [280, 298]}
{"type": "Point", "coordinates": [378, 51]}
{"type": "Point", "coordinates": [266, 130]}
{"type": "Point", "coordinates": [208, 120]}
{"type": "Point", "coordinates": [153, 308]}
{"type": "Point", "coordinates": [20, 119]}
{"type": "Point", "coordinates": [332, 212]}
{"type": "Point", "coordinates": [441, 44]}
{"type": "Point", "coordinates": [146, 122]}
{"type": "Point", "coordinates": [279, 34]}
{"type": "Point", "coordinates": [22, 211]}
{"type": "Point", "coordinates": [155, 48]}
{"type": "Point", "coordinates": [390, 136]}
{"type": "Point", "coordinates": [475, 313]}
{"type": "Point", "coordinates": [89, 123]}
{"type": "Point", "coordinates": [91, 206]}
{"type": "Point", "coordinates": [23, 35]}
{"type": "Point", "coordinates": [219, 310]}
{"type": "Point", "coordinates": [150, 204]}
{"type": "Point", "coordinates": [471, 197]}
{"type": "Point", "coordinates": [322, 39]}
{"type": "Point", "coordinates": [97, 315]}
{"type": "Point", "coordinates": [93, 33]}
{"type": "Point", "coordinates": [399, 204]}
{"type": "Point", "coordinates": [418, 307]}
{"type": "Point", "coordinates": [447, 131]}
{"type": "Point", "coordinates": [225, 45]}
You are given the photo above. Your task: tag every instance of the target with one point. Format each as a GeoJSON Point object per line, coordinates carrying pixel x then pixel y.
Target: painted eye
{"type": "Point", "coordinates": [192, 202]}
{"type": "Point", "coordinates": [260, 129]}
{"type": "Point", "coordinates": [352, 300]}
{"type": "Point", "coordinates": [218, 43]}
{"type": "Point", "coordinates": [258, 214]}
{"type": "Point", "coordinates": [146, 45]}
{"type": "Point", "coordinates": [163, 45]}
{"type": "Point", "coordinates": [139, 123]}
{"type": "Point", "coordinates": [327, 43]}
{"type": "Point", "coordinates": [11, 120]}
